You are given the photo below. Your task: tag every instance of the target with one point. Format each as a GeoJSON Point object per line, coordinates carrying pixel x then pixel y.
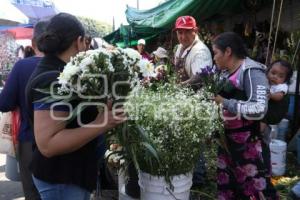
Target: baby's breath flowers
{"type": "Point", "coordinates": [176, 121]}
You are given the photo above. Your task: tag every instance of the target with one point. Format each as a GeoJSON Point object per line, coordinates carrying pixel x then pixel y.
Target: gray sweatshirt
{"type": "Point", "coordinates": [254, 82]}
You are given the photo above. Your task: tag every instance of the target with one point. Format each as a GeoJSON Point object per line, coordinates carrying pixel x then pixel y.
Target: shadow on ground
{"type": "Point", "coordinates": [8, 190]}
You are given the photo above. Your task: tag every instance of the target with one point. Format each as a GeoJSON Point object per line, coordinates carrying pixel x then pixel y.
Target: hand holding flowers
{"type": "Point", "coordinates": [211, 78]}
{"type": "Point", "coordinates": [219, 99]}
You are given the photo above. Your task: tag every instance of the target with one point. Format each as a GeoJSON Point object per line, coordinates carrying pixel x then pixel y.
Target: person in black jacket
{"type": "Point", "coordinates": [64, 163]}
{"type": "Point", "coordinates": [13, 97]}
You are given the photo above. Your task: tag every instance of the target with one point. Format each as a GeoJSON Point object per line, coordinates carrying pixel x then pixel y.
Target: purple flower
{"type": "Point", "coordinates": [258, 146]}
{"type": "Point", "coordinates": [250, 170]}
{"type": "Point", "coordinates": [249, 188]}
{"type": "Point", "coordinates": [225, 195]}
{"type": "Point", "coordinates": [222, 178]}
{"type": "Point", "coordinates": [240, 137]}
{"type": "Point", "coordinates": [222, 162]}
{"type": "Point", "coordinates": [240, 174]}
{"type": "Point", "coordinates": [260, 183]}
{"type": "Point", "coordinates": [252, 151]}
{"type": "Point", "coordinates": [206, 71]}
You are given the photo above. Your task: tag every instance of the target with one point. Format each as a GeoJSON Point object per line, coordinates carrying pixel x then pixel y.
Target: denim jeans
{"type": "Point", "coordinates": [50, 191]}
{"type": "Point", "coordinates": [296, 189]}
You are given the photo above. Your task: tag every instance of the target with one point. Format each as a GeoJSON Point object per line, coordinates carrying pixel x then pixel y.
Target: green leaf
{"type": "Point", "coordinates": [134, 157]}
{"type": "Point", "coordinates": [143, 133]}
{"type": "Point", "coordinates": [151, 149]}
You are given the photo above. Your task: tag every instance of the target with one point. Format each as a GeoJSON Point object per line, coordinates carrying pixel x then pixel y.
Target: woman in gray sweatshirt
{"type": "Point", "coordinates": [244, 159]}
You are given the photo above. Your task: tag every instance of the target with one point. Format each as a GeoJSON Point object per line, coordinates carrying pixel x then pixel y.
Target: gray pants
{"type": "Point", "coordinates": [25, 156]}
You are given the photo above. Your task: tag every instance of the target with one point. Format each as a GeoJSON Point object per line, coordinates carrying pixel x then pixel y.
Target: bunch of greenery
{"type": "Point", "coordinates": [166, 129]}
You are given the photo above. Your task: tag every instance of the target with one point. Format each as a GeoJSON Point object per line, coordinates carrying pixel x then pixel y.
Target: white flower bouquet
{"type": "Point", "coordinates": [168, 127]}
{"type": "Point", "coordinates": [97, 73]}
{"type": "Point", "coordinates": [95, 76]}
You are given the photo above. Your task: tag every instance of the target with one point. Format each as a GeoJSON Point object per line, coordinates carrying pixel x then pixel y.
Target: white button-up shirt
{"type": "Point", "coordinates": [199, 57]}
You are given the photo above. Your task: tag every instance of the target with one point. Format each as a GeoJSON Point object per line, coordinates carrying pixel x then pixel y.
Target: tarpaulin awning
{"type": "Point", "coordinates": [21, 33]}
{"type": "Point", "coordinates": [10, 15]}
{"type": "Point", "coordinates": [7, 27]}
{"type": "Point", "coordinates": [36, 13]}
{"type": "Point", "coordinates": [164, 15]}
{"type": "Point", "coordinates": [146, 23]}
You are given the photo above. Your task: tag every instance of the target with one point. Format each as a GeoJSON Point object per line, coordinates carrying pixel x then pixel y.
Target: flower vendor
{"type": "Point", "coordinates": [244, 161]}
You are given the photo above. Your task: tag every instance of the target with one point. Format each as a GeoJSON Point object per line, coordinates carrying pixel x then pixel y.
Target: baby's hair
{"type": "Point", "coordinates": [285, 64]}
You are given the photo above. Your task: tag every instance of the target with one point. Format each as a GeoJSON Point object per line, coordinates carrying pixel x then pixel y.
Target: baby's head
{"type": "Point", "coordinates": [279, 72]}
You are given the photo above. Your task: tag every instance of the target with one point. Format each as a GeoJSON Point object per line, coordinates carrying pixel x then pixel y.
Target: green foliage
{"type": "Point", "coordinates": [174, 123]}
{"type": "Point", "coordinates": [292, 49]}
{"type": "Point", "coordinates": [95, 28]}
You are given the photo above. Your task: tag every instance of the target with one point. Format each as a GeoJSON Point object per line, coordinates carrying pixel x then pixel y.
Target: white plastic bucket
{"type": "Point", "coordinates": [156, 187]}
{"type": "Point", "coordinates": [278, 156]}
{"type": "Point", "coordinates": [278, 170]}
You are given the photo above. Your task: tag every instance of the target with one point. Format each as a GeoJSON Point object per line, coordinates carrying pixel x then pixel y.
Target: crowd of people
{"type": "Point", "coordinates": [63, 163]}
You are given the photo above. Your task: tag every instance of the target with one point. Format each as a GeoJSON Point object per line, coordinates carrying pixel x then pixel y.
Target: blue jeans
{"type": "Point", "coordinates": [50, 191]}
{"type": "Point", "coordinates": [296, 189]}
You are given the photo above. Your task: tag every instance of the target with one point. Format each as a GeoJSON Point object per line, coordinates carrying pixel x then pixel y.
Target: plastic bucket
{"type": "Point", "coordinates": [278, 170]}
{"type": "Point", "coordinates": [282, 129]}
{"type": "Point", "coordinates": [156, 187]}
{"type": "Point", "coordinates": [12, 171]}
{"type": "Point", "coordinates": [278, 156]}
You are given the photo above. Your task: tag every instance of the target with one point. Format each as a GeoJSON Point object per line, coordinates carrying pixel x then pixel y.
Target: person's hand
{"type": "Point", "coordinates": [111, 117]}
{"type": "Point", "coordinates": [219, 99]}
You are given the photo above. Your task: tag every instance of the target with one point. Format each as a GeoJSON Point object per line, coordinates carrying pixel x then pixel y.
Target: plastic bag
{"type": "Point", "coordinates": [9, 129]}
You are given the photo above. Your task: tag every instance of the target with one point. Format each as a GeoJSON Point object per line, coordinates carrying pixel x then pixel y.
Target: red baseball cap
{"type": "Point", "coordinates": [185, 22]}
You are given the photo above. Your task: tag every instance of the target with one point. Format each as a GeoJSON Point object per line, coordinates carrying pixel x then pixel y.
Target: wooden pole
{"type": "Point", "coordinates": [296, 103]}
{"type": "Point", "coordinates": [270, 32]}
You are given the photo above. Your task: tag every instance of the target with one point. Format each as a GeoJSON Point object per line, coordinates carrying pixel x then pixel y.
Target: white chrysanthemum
{"type": "Point", "coordinates": [86, 61]}
{"type": "Point", "coordinates": [135, 55]}
{"type": "Point", "coordinates": [69, 71]}
{"type": "Point", "coordinates": [99, 51]}
{"type": "Point", "coordinates": [146, 68]}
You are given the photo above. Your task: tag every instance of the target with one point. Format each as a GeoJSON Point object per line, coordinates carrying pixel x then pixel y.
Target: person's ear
{"type": "Point", "coordinates": [33, 44]}
{"type": "Point", "coordinates": [228, 51]}
{"type": "Point", "coordinates": [80, 43]}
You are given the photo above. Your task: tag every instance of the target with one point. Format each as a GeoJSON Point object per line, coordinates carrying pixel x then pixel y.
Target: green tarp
{"type": "Point", "coordinates": [164, 16]}
{"type": "Point", "coordinates": [146, 23]}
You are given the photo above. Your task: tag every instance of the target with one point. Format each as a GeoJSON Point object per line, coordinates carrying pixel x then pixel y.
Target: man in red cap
{"type": "Point", "coordinates": [192, 54]}
{"type": "Point", "coordinates": [190, 57]}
